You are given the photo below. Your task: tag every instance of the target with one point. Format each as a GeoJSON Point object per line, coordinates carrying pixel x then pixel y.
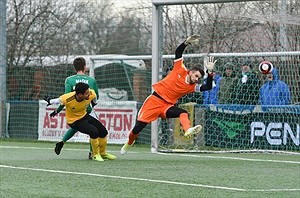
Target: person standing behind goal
{"type": "Point", "coordinates": [70, 83]}
{"type": "Point", "coordinates": [179, 82]}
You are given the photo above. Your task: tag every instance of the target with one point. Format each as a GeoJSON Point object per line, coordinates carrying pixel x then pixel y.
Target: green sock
{"type": "Point", "coordinates": [70, 133]}
{"type": "Point", "coordinates": [91, 148]}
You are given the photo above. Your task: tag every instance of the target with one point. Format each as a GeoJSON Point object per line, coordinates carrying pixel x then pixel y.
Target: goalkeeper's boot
{"type": "Point", "coordinates": [108, 156]}
{"type": "Point", "coordinates": [192, 131]}
{"type": "Point", "coordinates": [98, 158]}
{"type": "Point", "coordinates": [125, 148]}
{"type": "Point", "coordinates": [90, 155]}
{"type": "Point", "coordinates": [59, 145]}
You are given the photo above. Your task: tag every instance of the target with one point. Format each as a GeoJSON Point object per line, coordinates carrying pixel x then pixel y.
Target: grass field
{"type": "Point", "coordinates": [32, 169]}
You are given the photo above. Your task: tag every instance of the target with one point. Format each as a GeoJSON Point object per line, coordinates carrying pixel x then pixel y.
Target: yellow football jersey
{"type": "Point", "coordinates": [75, 110]}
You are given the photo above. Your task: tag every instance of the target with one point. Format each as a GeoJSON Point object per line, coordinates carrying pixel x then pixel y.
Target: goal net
{"type": "Point", "coordinates": [242, 112]}
{"type": "Point", "coordinates": [232, 114]}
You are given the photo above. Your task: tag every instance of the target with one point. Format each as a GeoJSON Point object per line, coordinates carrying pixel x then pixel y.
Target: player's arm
{"type": "Point", "coordinates": [210, 64]}
{"type": "Point", "coordinates": [95, 88]}
{"type": "Point", "coordinates": [179, 51]}
{"type": "Point", "coordinates": [207, 86]}
{"type": "Point", "coordinates": [94, 102]}
{"type": "Point", "coordinates": [51, 101]}
{"type": "Point", "coordinates": [59, 108]}
{"type": "Point", "coordinates": [56, 111]}
{"type": "Point", "coordinates": [94, 99]}
{"type": "Point", "coordinates": [54, 101]}
{"type": "Point", "coordinates": [68, 88]}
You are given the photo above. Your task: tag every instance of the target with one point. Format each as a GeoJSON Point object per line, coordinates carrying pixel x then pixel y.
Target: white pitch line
{"type": "Point", "coordinates": [148, 180]}
{"type": "Point", "coordinates": [182, 155]}
{"type": "Point", "coordinates": [40, 148]}
{"type": "Point", "coordinates": [233, 158]}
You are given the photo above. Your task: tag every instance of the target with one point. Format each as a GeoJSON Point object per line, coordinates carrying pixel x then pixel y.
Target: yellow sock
{"type": "Point", "coordinates": [102, 145]}
{"type": "Point", "coordinates": [95, 145]}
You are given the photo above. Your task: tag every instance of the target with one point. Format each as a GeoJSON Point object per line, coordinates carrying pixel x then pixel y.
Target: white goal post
{"type": "Point", "coordinates": [177, 2]}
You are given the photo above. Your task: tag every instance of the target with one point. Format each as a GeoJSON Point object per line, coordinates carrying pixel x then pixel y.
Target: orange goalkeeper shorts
{"type": "Point", "coordinates": [153, 108]}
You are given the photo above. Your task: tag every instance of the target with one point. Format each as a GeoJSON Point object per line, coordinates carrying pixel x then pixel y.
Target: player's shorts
{"type": "Point", "coordinates": [153, 108]}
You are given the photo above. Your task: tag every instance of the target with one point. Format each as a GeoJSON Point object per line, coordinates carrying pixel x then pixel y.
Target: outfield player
{"type": "Point", "coordinates": [70, 82]}
{"type": "Point", "coordinates": [76, 103]}
{"type": "Point", "coordinates": [176, 84]}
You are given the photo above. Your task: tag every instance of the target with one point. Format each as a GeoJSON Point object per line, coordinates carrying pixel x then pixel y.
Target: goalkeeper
{"type": "Point", "coordinates": [70, 83]}
{"type": "Point", "coordinates": [177, 83]}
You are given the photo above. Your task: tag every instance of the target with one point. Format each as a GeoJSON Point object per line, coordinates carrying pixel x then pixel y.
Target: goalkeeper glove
{"type": "Point", "coordinates": [47, 99]}
{"type": "Point", "coordinates": [210, 64]}
{"type": "Point", "coordinates": [192, 39]}
{"type": "Point", "coordinates": [54, 113]}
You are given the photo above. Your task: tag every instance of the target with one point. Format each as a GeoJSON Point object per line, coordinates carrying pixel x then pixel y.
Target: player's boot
{"type": "Point", "coordinates": [125, 148]}
{"type": "Point", "coordinates": [90, 156]}
{"type": "Point", "coordinates": [108, 156]}
{"type": "Point", "coordinates": [59, 145]}
{"type": "Point", "coordinates": [98, 158]}
{"type": "Point", "coordinates": [192, 131]}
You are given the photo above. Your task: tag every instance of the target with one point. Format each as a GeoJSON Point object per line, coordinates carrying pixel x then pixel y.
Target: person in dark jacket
{"type": "Point", "coordinates": [227, 84]}
{"type": "Point", "coordinates": [247, 87]}
{"type": "Point", "coordinates": [274, 91]}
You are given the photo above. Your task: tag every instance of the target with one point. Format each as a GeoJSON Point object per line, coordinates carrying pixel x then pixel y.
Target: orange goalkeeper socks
{"type": "Point", "coordinates": [132, 137]}
{"type": "Point", "coordinates": [184, 121]}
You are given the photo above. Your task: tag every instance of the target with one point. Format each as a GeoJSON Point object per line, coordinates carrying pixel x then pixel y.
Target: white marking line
{"type": "Point", "coordinates": [40, 148]}
{"type": "Point", "coordinates": [182, 155]}
{"type": "Point", "coordinates": [233, 158]}
{"type": "Point", "coordinates": [147, 180]}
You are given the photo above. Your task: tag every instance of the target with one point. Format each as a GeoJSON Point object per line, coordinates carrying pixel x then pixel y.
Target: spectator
{"type": "Point", "coordinates": [247, 87]}
{"type": "Point", "coordinates": [227, 84]}
{"type": "Point", "coordinates": [211, 96]}
{"type": "Point", "coordinates": [274, 91]}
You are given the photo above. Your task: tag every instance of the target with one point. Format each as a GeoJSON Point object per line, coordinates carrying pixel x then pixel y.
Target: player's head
{"type": "Point", "coordinates": [79, 64]}
{"type": "Point", "coordinates": [195, 74]}
{"type": "Point", "coordinates": [229, 69]}
{"type": "Point", "coordinates": [82, 91]}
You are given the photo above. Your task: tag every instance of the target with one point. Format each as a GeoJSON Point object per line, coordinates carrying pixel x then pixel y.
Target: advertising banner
{"type": "Point", "coordinates": [265, 129]}
{"type": "Point", "coordinates": [117, 116]}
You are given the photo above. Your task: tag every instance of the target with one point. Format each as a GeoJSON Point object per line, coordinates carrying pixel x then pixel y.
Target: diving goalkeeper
{"type": "Point", "coordinates": [177, 83]}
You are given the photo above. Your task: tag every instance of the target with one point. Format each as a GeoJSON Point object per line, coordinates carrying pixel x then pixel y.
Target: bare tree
{"type": "Point", "coordinates": [105, 30]}
{"type": "Point", "coordinates": [35, 29]}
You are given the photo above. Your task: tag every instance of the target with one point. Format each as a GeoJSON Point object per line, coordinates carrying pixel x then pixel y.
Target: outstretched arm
{"type": "Point", "coordinates": [210, 64]}
{"type": "Point", "coordinates": [179, 51]}
{"type": "Point", "coordinates": [208, 85]}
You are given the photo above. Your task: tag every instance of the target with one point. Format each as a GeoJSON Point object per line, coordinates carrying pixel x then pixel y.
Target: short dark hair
{"type": "Point", "coordinates": [81, 87]}
{"type": "Point", "coordinates": [79, 64]}
{"type": "Point", "coordinates": [196, 68]}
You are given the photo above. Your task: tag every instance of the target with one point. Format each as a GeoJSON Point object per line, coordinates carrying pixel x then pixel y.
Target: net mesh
{"type": "Point", "coordinates": [232, 114]}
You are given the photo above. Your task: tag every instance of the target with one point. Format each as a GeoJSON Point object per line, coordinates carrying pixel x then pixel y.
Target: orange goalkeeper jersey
{"type": "Point", "coordinates": [175, 84]}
